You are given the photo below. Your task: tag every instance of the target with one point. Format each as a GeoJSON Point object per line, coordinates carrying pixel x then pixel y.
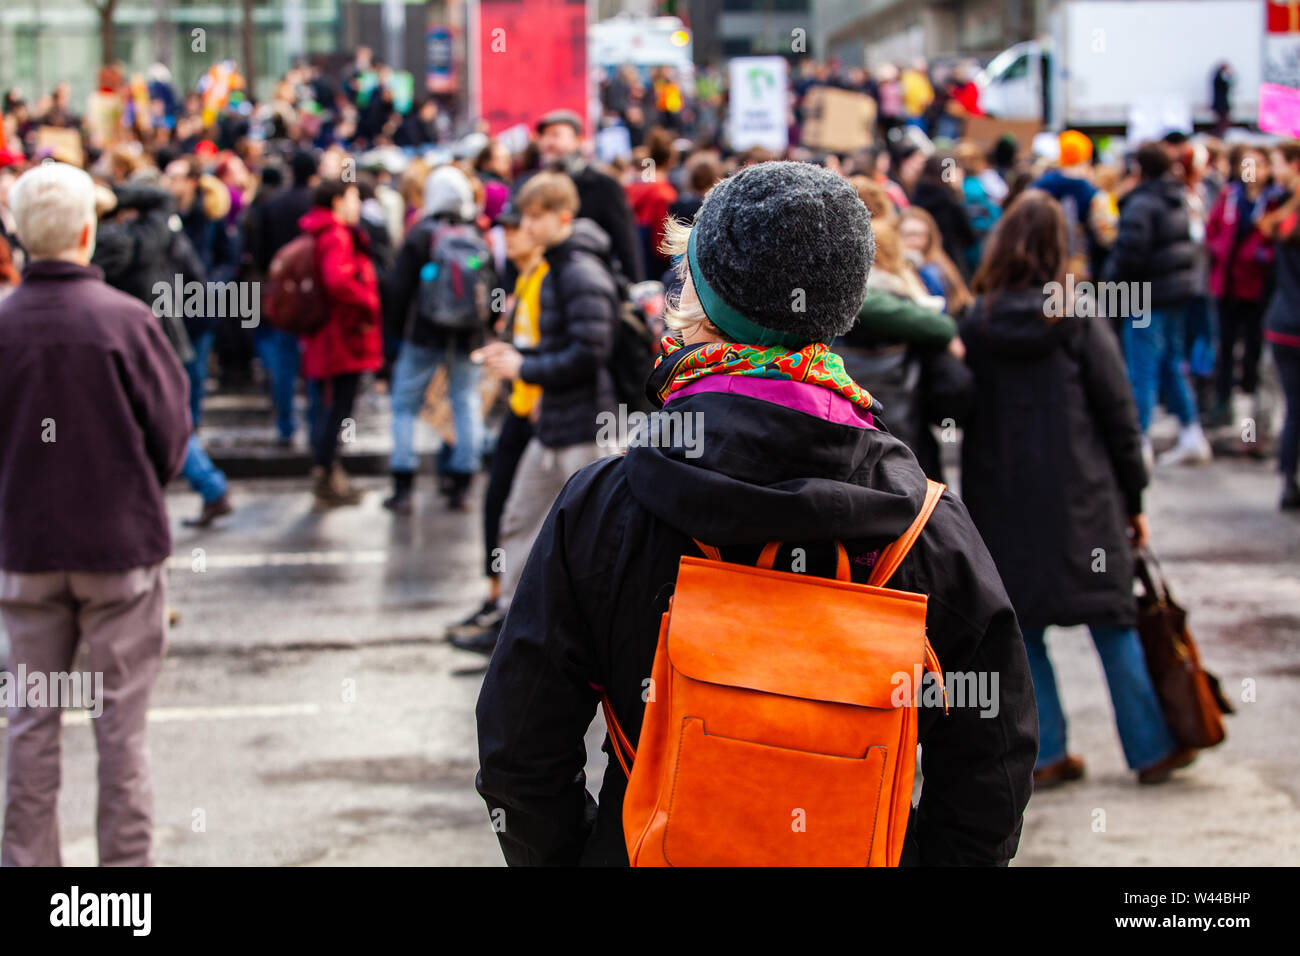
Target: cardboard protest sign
{"type": "Point", "coordinates": [838, 121]}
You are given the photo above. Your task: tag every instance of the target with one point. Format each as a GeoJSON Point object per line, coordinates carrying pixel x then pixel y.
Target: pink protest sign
{"type": "Point", "coordinates": [1279, 109]}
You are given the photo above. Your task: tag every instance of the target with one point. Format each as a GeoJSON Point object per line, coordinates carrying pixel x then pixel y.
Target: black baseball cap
{"type": "Point", "coordinates": [508, 216]}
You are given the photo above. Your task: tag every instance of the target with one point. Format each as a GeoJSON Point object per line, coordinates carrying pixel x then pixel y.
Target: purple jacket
{"type": "Point", "coordinates": [96, 411]}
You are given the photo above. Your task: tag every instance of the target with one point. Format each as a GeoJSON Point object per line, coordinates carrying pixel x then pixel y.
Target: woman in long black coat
{"type": "Point", "coordinates": [1052, 475]}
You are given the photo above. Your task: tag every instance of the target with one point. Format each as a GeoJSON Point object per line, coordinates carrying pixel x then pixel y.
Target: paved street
{"type": "Point", "coordinates": [309, 712]}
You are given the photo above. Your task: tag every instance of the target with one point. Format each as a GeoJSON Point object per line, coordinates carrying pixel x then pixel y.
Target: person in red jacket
{"type": "Point", "coordinates": [1241, 262]}
{"type": "Point", "coordinates": [351, 341]}
{"type": "Point", "coordinates": [650, 195]}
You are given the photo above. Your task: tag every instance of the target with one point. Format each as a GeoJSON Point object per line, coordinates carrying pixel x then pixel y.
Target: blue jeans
{"type": "Point", "coordinates": [1202, 336]}
{"type": "Point", "coordinates": [1142, 729]}
{"type": "Point", "coordinates": [1155, 355]}
{"type": "Point", "coordinates": [411, 376]}
{"type": "Point", "coordinates": [279, 354]}
{"type": "Point", "coordinates": [197, 370]}
{"type": "Point", "coordinates": [204, 477]}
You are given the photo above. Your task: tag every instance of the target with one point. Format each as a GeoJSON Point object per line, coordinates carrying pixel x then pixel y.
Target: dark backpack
{"type": "Point", "coordinates": [636, 343]}
{"type": "Point", "coordinates": [295, 296]}
{"type": "Point", "coordinates": [456, 281]}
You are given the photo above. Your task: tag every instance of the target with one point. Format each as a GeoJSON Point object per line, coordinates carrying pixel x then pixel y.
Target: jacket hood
{"type": "Point", "coordinates": [1166, 189]}
{"type": "Point", "coordinates": [318, 219]}
{"type": "Point", "coordinates": [757, 471]}
{"type": "Point", "coordinates": [1013, 324]}
{"type": "Point", "coordinates": [448, 192]}
{"type": "Point", "coordinates": [588, 236]}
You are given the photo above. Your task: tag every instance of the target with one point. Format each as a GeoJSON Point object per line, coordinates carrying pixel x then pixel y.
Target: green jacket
{"type": "Point", "coordinates": [889, 319]}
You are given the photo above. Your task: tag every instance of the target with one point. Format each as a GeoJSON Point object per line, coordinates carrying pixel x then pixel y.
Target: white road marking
{"type": "Point", "coordinates": [183, 562]}
{"type": "Point", "coordinates": [172, 715]}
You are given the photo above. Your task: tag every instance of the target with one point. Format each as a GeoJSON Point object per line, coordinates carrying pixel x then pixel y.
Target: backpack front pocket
{"type": "Point", "coordinates": [778, 807]}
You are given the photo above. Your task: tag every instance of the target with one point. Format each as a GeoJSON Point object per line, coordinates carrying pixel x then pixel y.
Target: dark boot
{"type": "Point", "coordinates": [331, 489]}
{"type": "Point", "coordinates": [212, 510]}
{"type": "Point", "coordinates": [457, 491]}
{"type": "Point", "coordinates": [1290, 495]}
{"type": "Point", "coordinates": [400, 501]}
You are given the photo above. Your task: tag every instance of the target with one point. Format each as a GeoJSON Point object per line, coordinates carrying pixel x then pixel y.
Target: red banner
{"type": "Point", "coordinates": [1283, 16]}
{"type": "Point", "coordinates": [532, 59]}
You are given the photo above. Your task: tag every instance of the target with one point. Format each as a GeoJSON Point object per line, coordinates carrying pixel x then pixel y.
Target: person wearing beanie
{"type": "Point", "coordinates": [773, 441]}
{"type": "Point", "coordinates": [449, 216]}
{"type": "Point", "coordinates": [1090, 218]}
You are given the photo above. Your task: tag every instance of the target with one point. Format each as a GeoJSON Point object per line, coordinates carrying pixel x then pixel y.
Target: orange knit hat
{"type": "Point", "coordinates": [1075, 148]}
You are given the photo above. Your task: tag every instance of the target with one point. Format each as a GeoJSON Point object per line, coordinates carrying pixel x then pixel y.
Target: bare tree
{"type": "Point", "coordinates": [246, 48]}
{"type": "Point", "coordinates": [105, 9]}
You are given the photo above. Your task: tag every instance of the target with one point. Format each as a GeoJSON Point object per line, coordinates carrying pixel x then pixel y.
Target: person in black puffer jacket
{"type": "Point", "coordinates": [1154, 248]}
{"type": "Point", "coordinates": [579, 305]}
{"type": "Point", "coordinates": [1052, 475]}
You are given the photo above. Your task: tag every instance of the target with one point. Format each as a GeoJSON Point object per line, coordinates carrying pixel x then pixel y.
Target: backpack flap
{"type": "Point", "coordinates": [794, 635]}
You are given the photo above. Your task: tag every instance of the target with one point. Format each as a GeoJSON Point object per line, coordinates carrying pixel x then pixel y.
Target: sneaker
{"type": "Point", "coordinates": [1162, 771]}
{"type": "Point", "coordinates": [488, 616]}
{"type": "Point", "coordinates": [1192, 449]}
{"type": "Point", "coordinates": [481, 643]}
{"type": "Point", "coordinates": [1062, 771]}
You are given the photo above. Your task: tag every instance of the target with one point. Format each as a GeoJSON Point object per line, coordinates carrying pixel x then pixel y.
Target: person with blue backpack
{"type": "Point", "coordinates": [437, 304]}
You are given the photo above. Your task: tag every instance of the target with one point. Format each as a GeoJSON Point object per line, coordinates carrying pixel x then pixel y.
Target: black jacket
{"type": "Point", "coordinates": [1154, 244]}
{"type": "Point", "coordinates": [137, 252]}
{"type": "Point", "coordinates": [1282, 317]}
{"type": "Point", "coordinates": [916, 388]}
{"type": "Point", "coordinates": [579, 304]}
{"type": "Point", "coordinates": [945, 205]}
{"type": "Point", "coordinates": [600, 574]}
{"type": "Point", "coordinates": [275, 224]}
{"type": "Point", "coordinates": [1052, 461]}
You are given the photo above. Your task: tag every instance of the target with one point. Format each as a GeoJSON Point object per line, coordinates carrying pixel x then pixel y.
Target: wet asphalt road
{"type": "Point", "coordinates": [310, 713]}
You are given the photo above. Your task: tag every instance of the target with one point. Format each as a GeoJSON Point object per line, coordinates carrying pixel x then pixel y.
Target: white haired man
{"type": "Point", "coordinates": [97, 420]}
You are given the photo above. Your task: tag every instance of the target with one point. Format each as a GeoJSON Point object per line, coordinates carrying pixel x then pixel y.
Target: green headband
{"type": "Point", "coordinates": [728, 319]}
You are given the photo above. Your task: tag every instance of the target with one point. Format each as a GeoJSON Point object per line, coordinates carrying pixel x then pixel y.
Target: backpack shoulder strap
{"type": "Point", "coordinates": [892, 556]}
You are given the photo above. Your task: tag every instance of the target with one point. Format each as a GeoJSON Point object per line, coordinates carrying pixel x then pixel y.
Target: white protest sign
{"type": "Point", "coordinates": [759, 94]}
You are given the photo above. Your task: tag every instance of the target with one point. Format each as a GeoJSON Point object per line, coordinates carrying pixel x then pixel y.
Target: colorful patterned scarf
{"type": "Point", "coordinates": [815, 364]}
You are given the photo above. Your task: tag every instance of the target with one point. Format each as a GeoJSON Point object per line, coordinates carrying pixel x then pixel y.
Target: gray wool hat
{"type": "Point", "coordinates": [779, 254]}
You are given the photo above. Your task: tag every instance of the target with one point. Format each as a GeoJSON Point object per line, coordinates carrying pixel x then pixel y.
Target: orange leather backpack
{"type": "Point", "coordinates": [771, 736]}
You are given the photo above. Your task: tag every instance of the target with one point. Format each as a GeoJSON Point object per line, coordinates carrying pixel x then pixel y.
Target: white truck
{"type": "Point", "coordinates": [1101, 59]}
{"type": "Point", "coordinates": [644, 42]}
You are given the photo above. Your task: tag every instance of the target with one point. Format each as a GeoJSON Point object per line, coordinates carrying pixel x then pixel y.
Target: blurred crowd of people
{"type": "Point", "coordinates": [529, 284]}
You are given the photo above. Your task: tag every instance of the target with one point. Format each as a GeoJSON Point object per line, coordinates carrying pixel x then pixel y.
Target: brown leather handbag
{"type": "Point", "coordinates": [782, 728]}
{"type": "Point", "coordinates": [1190, 696]}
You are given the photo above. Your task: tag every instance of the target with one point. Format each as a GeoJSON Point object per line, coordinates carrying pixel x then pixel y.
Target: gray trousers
{"type": "Point", "coordinates": [539, 479]}
{"type": "Point", "coordinates": [120, 619]}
